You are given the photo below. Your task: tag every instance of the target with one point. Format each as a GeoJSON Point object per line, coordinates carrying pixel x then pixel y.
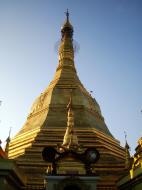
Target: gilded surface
{"type": "Point", "coordinates": [47, 123]}
{"type": "Point", "coordinates": [70, 138]}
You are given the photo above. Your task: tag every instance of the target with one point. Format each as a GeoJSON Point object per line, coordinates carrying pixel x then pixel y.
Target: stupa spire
{"type": "Point", "coordinates": [66, 50]}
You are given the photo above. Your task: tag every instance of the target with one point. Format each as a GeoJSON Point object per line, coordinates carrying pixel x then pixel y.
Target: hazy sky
{"type": "Point", "coordinates": [109, 62]}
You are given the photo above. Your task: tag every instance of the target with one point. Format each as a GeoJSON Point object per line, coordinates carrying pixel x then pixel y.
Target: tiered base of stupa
{"type": "Point", "coordinates": [109, 168]}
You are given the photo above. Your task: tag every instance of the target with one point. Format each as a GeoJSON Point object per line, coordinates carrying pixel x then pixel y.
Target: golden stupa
{"type": "Point", "coordinates": [46, 125]}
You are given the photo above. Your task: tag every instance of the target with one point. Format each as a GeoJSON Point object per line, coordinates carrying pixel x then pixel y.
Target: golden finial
{"type": "Point", "coordinates": [67, 14]}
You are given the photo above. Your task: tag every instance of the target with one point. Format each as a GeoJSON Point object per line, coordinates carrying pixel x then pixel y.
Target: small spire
{"type": "Point", "coordinates": [126, 144]}
{"type": "Point", "coordinates": [67, 14]}
{"type": "Point", "coordinates": [127, 153]}
{"type": "Point", "coordinates": [125, 135]}
{"type": "Point", "coordinates": [70, 138]}
{"type": "Point", "coordinates": [8, 142]}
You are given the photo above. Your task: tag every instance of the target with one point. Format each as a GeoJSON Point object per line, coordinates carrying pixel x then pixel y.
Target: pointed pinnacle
{"type": "Point", "coordinates": [67, 14]}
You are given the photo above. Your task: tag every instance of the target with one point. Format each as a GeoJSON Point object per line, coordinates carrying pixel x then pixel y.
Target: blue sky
{"type": "Point", "coordinates": [109, 62]}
